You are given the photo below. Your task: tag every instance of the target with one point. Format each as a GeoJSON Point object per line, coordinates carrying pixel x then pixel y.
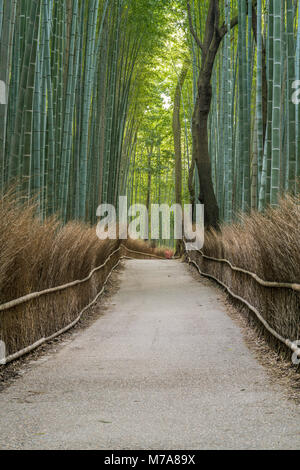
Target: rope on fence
{"type": "Point", "coordinates": [142, 253]}
{"type": "Point", "coordinates": [30, 348]}
{"type": "Point", "coordinates": [286, 285]}
{"type": "Point", "coordinates": [274, 333]}
{"type": "Point", "coordinates": [34, 295]}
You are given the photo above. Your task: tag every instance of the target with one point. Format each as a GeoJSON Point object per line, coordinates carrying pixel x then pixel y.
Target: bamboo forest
{"type": "Point", "coordinates": [149, 226]}
{"type": "Point", "coordinates": [158, 100]}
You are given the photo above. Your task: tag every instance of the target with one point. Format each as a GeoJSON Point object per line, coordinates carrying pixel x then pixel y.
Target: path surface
{"type": "Point", "coordinates": [163, 368]}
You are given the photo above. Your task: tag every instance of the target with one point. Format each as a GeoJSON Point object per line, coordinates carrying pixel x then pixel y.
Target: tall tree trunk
{"type": "Point", "coordinates": [191, 185]}
{"type": "Point", "coordinates": [177, 142]}
{"type": "Point", "coordinates": [201, 153]}
{"type": "Point", "coordinates": [214, 33]}
{"type": "Point", "coordinates": [149, 178]}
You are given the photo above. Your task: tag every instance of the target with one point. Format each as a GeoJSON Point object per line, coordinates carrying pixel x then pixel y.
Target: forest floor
{"type": "Point", "coordinates": [164, 367]}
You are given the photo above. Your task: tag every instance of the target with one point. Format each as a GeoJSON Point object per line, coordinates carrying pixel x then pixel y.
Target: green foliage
{"type": "Point", "coordinates": [90, 88]}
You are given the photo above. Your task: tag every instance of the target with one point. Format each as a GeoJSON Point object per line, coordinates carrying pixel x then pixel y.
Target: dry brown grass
{"type": "Point", "coordinates": [36, 256]}
{"type": "Point", "coordinates": [268, 245]}
{"type": "Point", "coordinates": [147, 247]}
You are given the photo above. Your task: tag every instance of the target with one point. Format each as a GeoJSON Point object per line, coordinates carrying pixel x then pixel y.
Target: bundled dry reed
{"type": "Point", "coordinates": [36, 256]}
{"type": "Point", "coordinates": [147, 247]}
{"type": "Point", "coordinates": [268, 245]}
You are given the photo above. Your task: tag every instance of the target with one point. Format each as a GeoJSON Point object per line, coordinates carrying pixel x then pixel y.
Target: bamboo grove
{"type": "Point", "coordinates": [70, 68]}
{"type": "Point", "coordinates": [102, 99]}
{"type": "Point", "coordinates": [253, 125]}
{"type": "Point", "coordinates": [257, 146]}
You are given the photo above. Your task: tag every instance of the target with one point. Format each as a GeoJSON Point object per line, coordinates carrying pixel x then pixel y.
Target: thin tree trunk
{"type": "Point", "coordinates": [177, 142]}
{"type": "Point", "coordinates": [214, 33]}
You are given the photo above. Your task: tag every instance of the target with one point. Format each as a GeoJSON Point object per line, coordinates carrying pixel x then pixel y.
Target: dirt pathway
{"type": "Point", "coordinates": [164, 368]}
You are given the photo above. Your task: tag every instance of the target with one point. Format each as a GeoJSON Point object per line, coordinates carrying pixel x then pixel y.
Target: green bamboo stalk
{"type": "Point", "coordinates": [90, 49]}
{"type": "Point", "coordinates": [6, 44]}
{"type": "Point", "coordinates": [27, 72]}
{"type": "Point", "coordinates": [265, 184]}
{"type": "Point", "coordinates": [246, 91]}
{"type": "Point", "coordinates": [292, 170]}
{"type": "Point", "coordinates": [297, 105]}
{"type": "Point", "coordinates": [36, 144]}
{"type": "Point", "coordinates": [259, 111]}
{"type": "Point", "coordinates": [275, 173]}
{"type": "Point", "coordinates": [69, 112]}
{"type": "Point", "coordinates": [1, 15]}
{"type": "Point", "coordinates": [27, 124]}
{"type": "Point", "coordinates": [112, 80]}
{"type": "Point", "coordinates": [228, 118]}
{"type": "Point", "coordinates": [50, 118]}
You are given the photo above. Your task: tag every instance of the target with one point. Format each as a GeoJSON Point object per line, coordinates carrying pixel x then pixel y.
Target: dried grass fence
{"type": "Point", "coordinates": [258, 262]}
{"type": "Point", "coordinates": [50, 274]}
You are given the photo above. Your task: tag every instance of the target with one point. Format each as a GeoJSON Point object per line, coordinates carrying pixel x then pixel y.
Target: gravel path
{"type": "Point", "coordinates": [164, 368]}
